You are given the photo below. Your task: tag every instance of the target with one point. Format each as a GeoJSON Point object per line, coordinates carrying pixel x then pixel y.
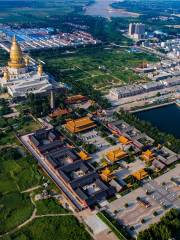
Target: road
{"type": "Point", "coordinates": [153, 51]}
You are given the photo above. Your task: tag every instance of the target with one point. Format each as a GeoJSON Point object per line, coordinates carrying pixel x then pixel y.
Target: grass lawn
{"type": "Point", "coordinates": [102, 68]}
{"type": "Point", "coordinates": [52, 228]}
{"type": "Point", "coordinates": [8, 137]}
{"type": "Point", "coordinates": [49, 206]}
{"type": "Point", "coordinates": [27, 125]}
{"type": "Point", "coordinates": [28, 176]}
{"type": "Point", "coordinates": [17, 173]}
{"type": "Point", "coordinates": [3, 57]}
{"type": "Point", "coordinates": [22, 125]}
{"type": "Point", "coordinates": [15, 208]}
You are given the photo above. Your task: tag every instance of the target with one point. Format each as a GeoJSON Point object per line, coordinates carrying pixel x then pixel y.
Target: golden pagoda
{"type": "Point", "coordinates": [40, 69]}
{"type": "Point", "coordinates": [16, 56]}
{"type": "Point", "coordinates": [26, 59]}
{"type": "Point", "coordinates": [6, 76]}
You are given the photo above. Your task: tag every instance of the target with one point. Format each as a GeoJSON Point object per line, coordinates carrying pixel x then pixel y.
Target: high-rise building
{"type": "Point", "coordinates": [132, 27]}
{"type": "Point", "coordinates": [140, 28]}
{"type": "Point", "coordinates": [137, 30]}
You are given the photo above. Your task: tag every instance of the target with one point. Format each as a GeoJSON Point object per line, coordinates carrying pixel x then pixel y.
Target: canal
{"type": "Point", "coordinates": [166, 119]}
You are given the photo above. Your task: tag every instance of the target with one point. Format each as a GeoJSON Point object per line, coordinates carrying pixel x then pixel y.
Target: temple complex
{"type": "Point", "coordinates": [20, 77]}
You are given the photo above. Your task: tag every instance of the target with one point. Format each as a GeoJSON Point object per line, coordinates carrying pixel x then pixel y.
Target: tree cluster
{"type": "Point", "coordinates": [167, 228]}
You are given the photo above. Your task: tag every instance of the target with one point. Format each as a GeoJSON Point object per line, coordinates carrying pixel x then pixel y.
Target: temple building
{"type": "Point", "coordinates": [80, 125]}
{"type": "Point", "coordinates": [116, 155]}
{"type": "Point", "coordinates": [20, 77]}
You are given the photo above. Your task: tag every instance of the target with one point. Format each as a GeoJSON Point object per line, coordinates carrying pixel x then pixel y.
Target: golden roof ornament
{"type": "Point", "coordinates": [6, 76]}
{"type": "Point", "coordinates": [40, 69]}
{"type": "Point", "coordinates": [26, 59]}
{"type": "Point", "coordinates": [16, 56]}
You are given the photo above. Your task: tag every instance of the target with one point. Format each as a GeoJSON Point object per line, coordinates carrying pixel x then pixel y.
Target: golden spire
{"type": "Point", "coordinates": [26, 59]}
{"type": "Point", "coordinates": [40, 69]}
{"type": "Point", "coordinates": [16, 57]}
{"type": "Point", "coordinates": [6, 76]}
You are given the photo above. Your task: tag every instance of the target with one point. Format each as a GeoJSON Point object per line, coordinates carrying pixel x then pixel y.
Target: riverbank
{"type": "Point", "coordinates": [152, 107]}
{"type": "Point", "coordinates": [165, 117]}
{"type": "Point", "coordinates": [103, 8]}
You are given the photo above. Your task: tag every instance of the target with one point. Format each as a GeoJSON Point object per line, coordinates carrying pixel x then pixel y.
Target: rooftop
{"type": "Point", "coordinates": [59, 112]}
{"type": "Point", "coordinates": [46, 140]}
{"type": "Point", "coordinates": [61, 157]}
{"type": "Point", "coordinates": [75, 171]}
{"type": "Point", "coordinates": [116, 154]}
{"type": "Point", "coordinates": [76, 99]}
{"type": "Point", "coordinates": [79, 125]}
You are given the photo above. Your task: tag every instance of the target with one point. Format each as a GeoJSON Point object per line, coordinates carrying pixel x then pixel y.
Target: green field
{"type": "Point", "coordinates": [99, 67]}
{"type": "Point", "coordinates": [38, 10]}
{"type": "Point", "coordinates": [52, 228]}
{"type": "Point", "coordinates": [15, 209]}
{"type": "Point", "coordinates": [3, 57]}
{"type": "Point", "coordinates": [17, 173]}
{"type": "Point", "coordinates": [22, 125]}
{"type": "Point", "coordinates": [49, 206]}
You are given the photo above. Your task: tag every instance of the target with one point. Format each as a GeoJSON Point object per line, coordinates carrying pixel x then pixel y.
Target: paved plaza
{"type": "Point", "coordinates": [163, 194]}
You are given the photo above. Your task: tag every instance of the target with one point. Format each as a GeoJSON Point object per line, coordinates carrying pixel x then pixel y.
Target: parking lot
{"type": "Point", "coordinates": [167, 194]}
{"type": "Point", "coordinates": [162, 195]}
{"type": "Point", "coordinates": [92, 137]}
{"type": "Point", "coordinates": [135, 213]}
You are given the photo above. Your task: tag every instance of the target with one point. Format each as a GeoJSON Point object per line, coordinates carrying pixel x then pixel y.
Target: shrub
{"type": "Point", "coordinates": [155, 213]}
{"type": "Point", "coordinates": [126, 205]}
{"type": "Point", "coordinates": [143, 221]}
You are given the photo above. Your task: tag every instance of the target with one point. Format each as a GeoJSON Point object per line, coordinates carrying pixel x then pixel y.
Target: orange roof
{"type": "Point", "coordinates": [147, 155]}
{"type": "Point", "coordinates": [116, 155]}
{"type": "Point", "coordinates": [75, 99]}
{"type": "Point", "coordinates": [140, 174]}
{"type": "Point", "coordinates": [79, 125]}
{"type": "Point", "coordinates": [59, 112]}
{"type": "Point", "coordinates": [84, 155]}
{"type": "Point", "coordinates": [106, 174]}
{"type": "Point", "coordinates": [123, 140]}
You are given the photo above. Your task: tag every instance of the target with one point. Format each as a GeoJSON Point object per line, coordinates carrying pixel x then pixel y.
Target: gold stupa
{"type": "Point", "coordinates": [26, 60]}
{"type": "Point", "coordinates": [6, 76]}
{"type": "Point", "coordinates": [40, 69]}
{"type": "Point", "coordinates": [16, 56]}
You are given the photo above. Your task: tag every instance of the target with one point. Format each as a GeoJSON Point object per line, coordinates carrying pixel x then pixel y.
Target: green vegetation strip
{"type": "Point", "coordinates": [111, 226]}
{"type": "Point", "coordinates": [167, 228]}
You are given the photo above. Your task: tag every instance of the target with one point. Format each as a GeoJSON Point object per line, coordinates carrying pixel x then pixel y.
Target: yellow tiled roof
{"type": "Point", "coordinates": [80, 124]}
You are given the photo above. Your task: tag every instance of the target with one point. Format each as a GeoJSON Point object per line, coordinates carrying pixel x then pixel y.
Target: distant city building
{"type": "Point", "coordinates": [132, 27]}
{"type": "Point", "coordinates": [38, 38]}
{"type": "Point", "coordinates": [137, 30]}
{"type": "Point", "coordinates": [133, 90]}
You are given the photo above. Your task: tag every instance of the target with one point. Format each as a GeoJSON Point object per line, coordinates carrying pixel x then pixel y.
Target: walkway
{"type": "Point", "coordinates": [33, 217]}
{"type": "Point", "coordinates": [31, 189]}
